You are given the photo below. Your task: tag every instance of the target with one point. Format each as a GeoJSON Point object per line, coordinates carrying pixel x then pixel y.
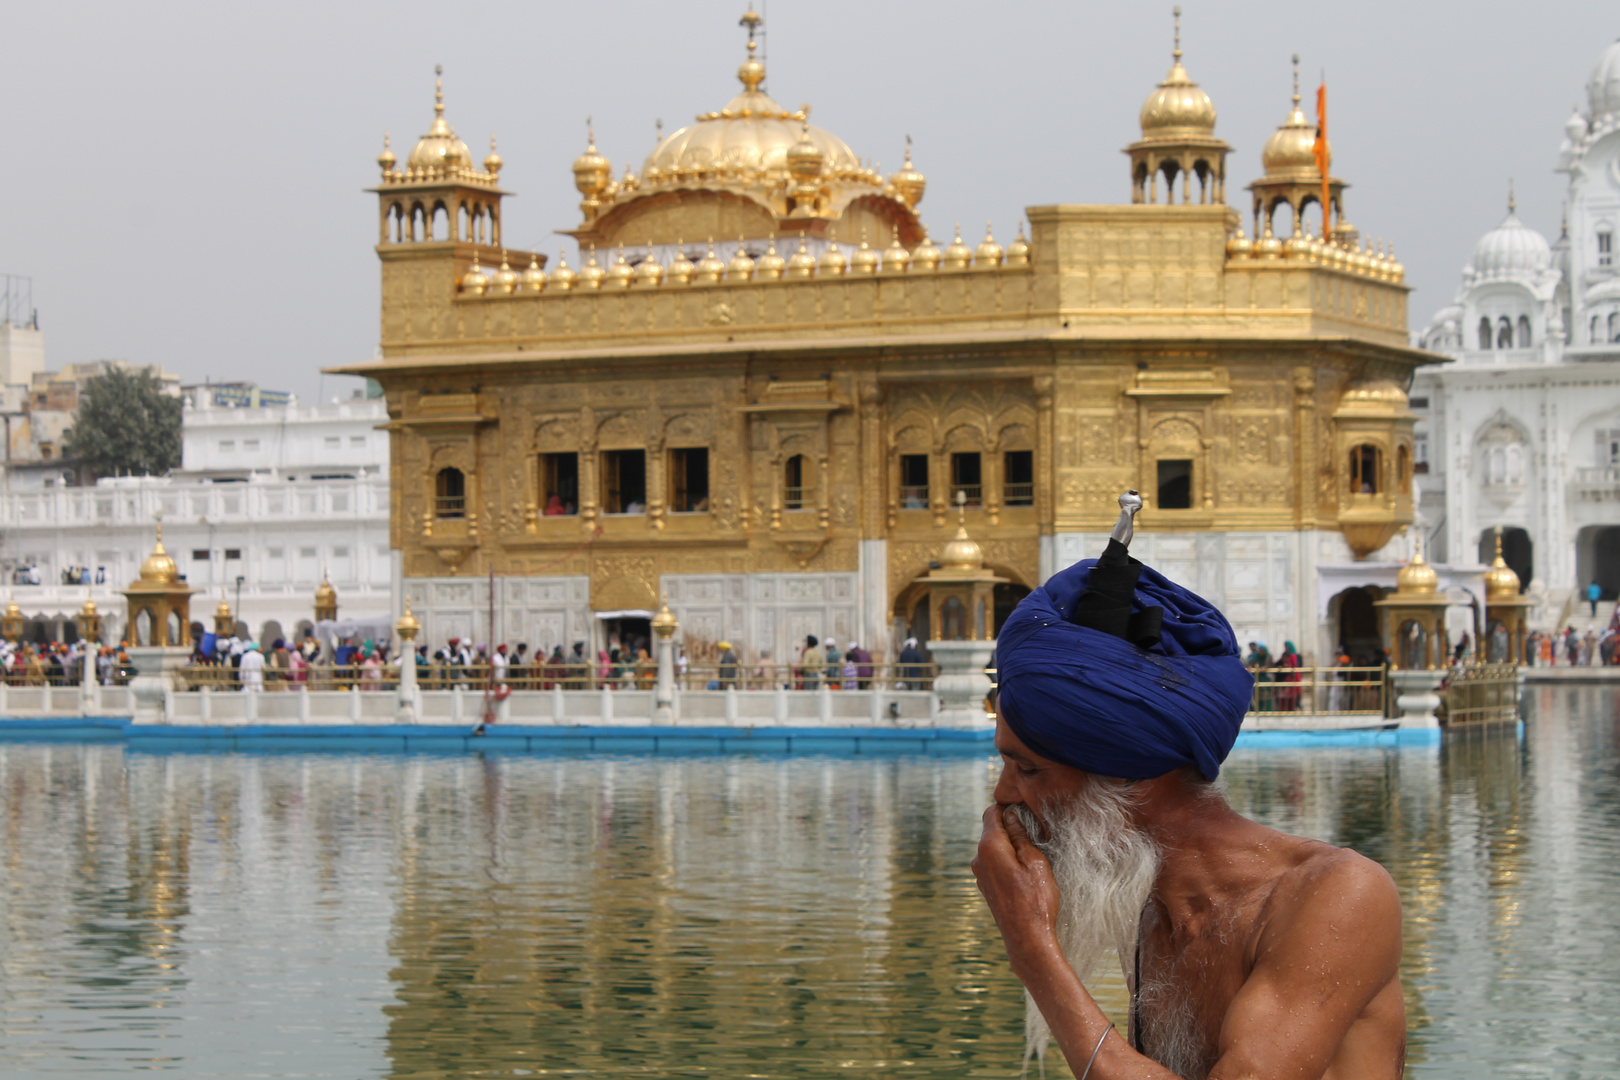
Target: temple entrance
{"type": "Point", "coordinates": [629, 630]}
{"type": "Point", "coordinates": [1597, 558]}
{"type": "Point", "coordinates": [1517, 551]}
{"type": "Point", "coordinates": [1356, 622]}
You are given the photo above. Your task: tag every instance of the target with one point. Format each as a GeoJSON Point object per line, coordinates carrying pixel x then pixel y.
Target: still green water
{"type": "Point", "coordinates": [207, 915]}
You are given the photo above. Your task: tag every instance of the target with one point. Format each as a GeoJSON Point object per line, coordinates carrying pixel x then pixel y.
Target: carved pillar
{"type": "Point", "coordinates": [589, 483]}
{"type": "Point", "coordinates": [939, 483]}
{"type": "Point", "coordinates": [877, 493]}
{"type": "Point", "coordinates": [823, 514]}
{"type": "Point", "coordinates": [990, 477]}
{"type": "Point", "coordinates": [1305, 461]}
{"type": "Point", "coordinates": [1046, 451]}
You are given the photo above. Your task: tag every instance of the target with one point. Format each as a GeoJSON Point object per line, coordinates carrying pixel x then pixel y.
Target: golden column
{"type": "Point", "coordinates": [407, 628]}
{"type": "Point", "coordinates": [664, 626]}
{"type": "Point", "coordinates": [224, 620]}
{"type": "Point", "coordinates": [12, 623]}
{"type": "Point", "coordinates": [326, 604]}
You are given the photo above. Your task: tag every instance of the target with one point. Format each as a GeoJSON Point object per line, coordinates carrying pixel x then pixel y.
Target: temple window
{"type": "Point", "coordinates": [1420, 453]}
{"type": "Point", "coordinates": [1484, 333]}
{"type": "Point", "coordinates": [796, 493]}
{"type": "Point", "coordinates": [1524, 331]}
{"type": "Point", "coordinates": [1018, 478]}
{"type": "Point", "coordinates": [1605, 248]}
{"type": "Point", "coordinates": [914, 481]}
{"type": "Point", "coordinates": [450, 494]}
{"type": "Point", "coordinates": [689, 480]}
{"type": "Point", "coordinates": [624, 481]}
{"type": "Point", "coordinates": [1175, 484]}
{"type": "Point", "coordinates": [559, 484]}
{"type": "Point", "coordinates": [1364, 469]}
{"type": "Point", "coordinates": [1504, 333]}
{"type": "Point", "coordinates": [966, 478]}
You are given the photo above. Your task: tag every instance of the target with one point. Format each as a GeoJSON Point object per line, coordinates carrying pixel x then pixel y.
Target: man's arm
{"type": "Point", "coordinates": [1329, 947]}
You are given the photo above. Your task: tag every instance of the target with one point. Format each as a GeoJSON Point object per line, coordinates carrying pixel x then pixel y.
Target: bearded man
{"type": "Point", "coordinates": [1248, 953]}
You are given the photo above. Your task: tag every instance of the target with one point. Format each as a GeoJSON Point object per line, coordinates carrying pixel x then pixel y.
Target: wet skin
{"type": "Point", "coordinates": [1287, 948]}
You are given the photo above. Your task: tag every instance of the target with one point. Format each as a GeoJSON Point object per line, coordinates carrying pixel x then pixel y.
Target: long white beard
{"type": "Point", "coordinates": [1104, 869]}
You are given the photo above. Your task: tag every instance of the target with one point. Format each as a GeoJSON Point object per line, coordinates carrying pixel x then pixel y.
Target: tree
{"type": "Point", "coordinates": [126, 425]}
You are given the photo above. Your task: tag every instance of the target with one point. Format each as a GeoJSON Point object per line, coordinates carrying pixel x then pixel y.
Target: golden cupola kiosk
{"type": "Point", "coordinates": [160, 631]}
{"type": "Point", "coordinates": [1506, 610]}
{"type": "Point", "coordinates": [961, 606]}
{"type": "Point", "coordinates": [1415, 626]}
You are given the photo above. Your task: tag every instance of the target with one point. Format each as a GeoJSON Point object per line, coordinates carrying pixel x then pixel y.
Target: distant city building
{"type": "Point", "coordinates": [1522, 430]}
{"type": "Point", "coordinates": [269, 500]}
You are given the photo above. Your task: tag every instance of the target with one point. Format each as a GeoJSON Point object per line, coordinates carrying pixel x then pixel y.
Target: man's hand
{"type": "Point", "coordinates": [1017, 884]}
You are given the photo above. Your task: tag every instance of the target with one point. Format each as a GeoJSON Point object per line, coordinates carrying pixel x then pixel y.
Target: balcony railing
{"type": "Point", "coordinates": [967, 493]}
{"type": "Point", "coordinates": [1019, 494]}
{"type": "Point", "coordinates": [798, 498]}
{"type": "Point", "coordinates": [450, 506]}
{"type": "Point", "coordinates": [1597, 484]}
{"type": "Point", "coordinates": [913, 496]}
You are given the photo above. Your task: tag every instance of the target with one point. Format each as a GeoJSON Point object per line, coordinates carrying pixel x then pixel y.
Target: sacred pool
{"type": "Point", "coordinates": [364, 915]}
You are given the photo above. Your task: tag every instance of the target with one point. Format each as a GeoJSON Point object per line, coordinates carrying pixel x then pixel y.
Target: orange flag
{"type": "Point", "coordinates": [1320, 150]}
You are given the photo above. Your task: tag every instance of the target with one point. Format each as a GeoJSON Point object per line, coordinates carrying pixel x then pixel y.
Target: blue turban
{"type": "Point", "coordinates": [1096, 701]}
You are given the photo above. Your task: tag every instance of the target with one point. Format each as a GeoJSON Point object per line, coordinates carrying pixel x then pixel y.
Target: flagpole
{"type": "Point", "coordinates": [1321, 149]}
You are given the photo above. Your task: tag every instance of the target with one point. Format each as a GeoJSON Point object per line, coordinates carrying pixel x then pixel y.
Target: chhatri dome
{"type": "Point", "coordinates": [1178, 142]}
{"type": "Point", "coordinates": [1291, 150]}
{"type": "Point", "coordinates": [1511, 249]}
{"type": "Point", "coordinates": [1603, 88]}
{"type": "Point", "coordinates": [440, 147]}
{"type": "Point", "coordinates": [1178, 106]}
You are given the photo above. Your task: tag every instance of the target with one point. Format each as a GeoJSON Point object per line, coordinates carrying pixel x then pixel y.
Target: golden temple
{"type": "Point", "coordinates": [761, 385]}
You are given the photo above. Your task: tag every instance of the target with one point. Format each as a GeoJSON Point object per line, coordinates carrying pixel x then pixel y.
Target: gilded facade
{"type": "Point", "coordinates": [761, 388]}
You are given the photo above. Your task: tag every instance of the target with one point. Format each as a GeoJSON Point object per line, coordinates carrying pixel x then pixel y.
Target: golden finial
{"type": "Point", "coordinates": [1176, 52]}
{"type": "Point", "coordinates": [1296, 80]}
{"type": "Point", "coordinates": [752, 72]}
{"type": "Point", "coordinates": [386, 159]}
{"type": "Point", "coordinates": [438, 90]}
{"type": "Point", "coordinates": [1512, 203]}
{"type": "Point", "coordinates": [493, 163]}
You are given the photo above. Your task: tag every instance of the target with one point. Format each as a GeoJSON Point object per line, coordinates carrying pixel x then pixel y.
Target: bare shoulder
{"type": "Point", "coordinates": [1331, 896]}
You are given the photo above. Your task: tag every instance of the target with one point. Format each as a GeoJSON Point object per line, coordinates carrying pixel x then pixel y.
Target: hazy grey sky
{"type": "Point", "coordinates": [185, 178]}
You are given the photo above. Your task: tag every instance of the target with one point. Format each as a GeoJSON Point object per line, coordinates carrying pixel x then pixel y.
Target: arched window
{"type": "Point", "coordinates": [1524, 331]}
{"type": "Point", "coordinates": [1364, 469]}
{"type": "Point", "coordinates": [1495, 465]}
{"type": "Point", "coordinates": [1484, 332]}
{"type": "Point", "coordinates": [794, 493]}
{"type": "Point", "coordinates": [1504, 333]}
{"type": "Point", "coordinates": [1614, 326]}
{"type": "Point", "coordinates": [1514, 468]}
{"type": "Point", "coordinates": [450, 494]}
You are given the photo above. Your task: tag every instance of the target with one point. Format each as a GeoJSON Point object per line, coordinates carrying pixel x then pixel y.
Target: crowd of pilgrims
{"type": "Point", "coordinates": [235, 662]}
{"type": "Point", "coordinates": [53, 663]}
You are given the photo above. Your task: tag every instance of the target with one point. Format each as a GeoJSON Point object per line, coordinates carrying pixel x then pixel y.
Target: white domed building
{"type": "Point", "coordinates": [1522, 430]}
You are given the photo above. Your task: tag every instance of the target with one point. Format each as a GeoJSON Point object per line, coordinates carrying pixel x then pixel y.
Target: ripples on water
{"type": "Point", "coordinates": [357, 915]}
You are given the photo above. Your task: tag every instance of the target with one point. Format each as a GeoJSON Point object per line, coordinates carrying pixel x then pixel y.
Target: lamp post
{"type": "Point", "coordinates": [405, 710]}
{"type": "Point", "coordinates": [90, 638]}
{"type": "Point", "coordinates": [664, 626]}
{"type": "Point", "coordinates": [961, 612]}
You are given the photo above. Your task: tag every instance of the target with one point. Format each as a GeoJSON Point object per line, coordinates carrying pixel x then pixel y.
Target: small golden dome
{"type": "Point", "coordinates": [591, 170]}
{"type": "Point", "coordinates": [709, 268]}
{"type": "Point", "coordinates": [866, 260]}
{"type": "Point", "coordinates": [534, 278]}
{"type": "Point", "coordinates": [664, 623]}
{"type": "Point", "coordinates": [1417, 578]}
{"type": "Point", "coordinates": [1178, 107]}
{"type": "Point", "coordinates": [386, 159]}
{"type": "Point", "coordinates": [802, 264]}
{"type": "Point", "coordinates": [988, 253]}
{"type": "Point", "coordinates": [957, 254]}
{"type": "Point", "coordinates": [770, 265]}
{"type": "Point", "coordinates": [506, 279]}
{"type": "Point", "coordinates": [408, 626]}
{"type": "Point", "coordinates": [88, 609]}
{"type": "Point", "coordinates": [563, 278]}
{"type": "Point", "coordinates": [621, 273]}
{"type": "Point", "coordinates": [832, 260]}
{"type": "Point", "coordinates": [222, 613]}
{"type": "Point", "coordinates": [1501, 583]}
{"type": "Point", "coordinates": [159, 568]}
{"type": "Point", "coordinates": [681, 270]}
{"type": "Point", "coordinates": [1239, 246]}
{"type": "Point", "coordinates": [1018, 250]}
{"type": "Point", "coordinates": [804, 157]}
{"type": "Point", "coordinates": [325, 595]}
{"type": "Point", "coordinates": [649, 272]}
{"type": "Point", "coordinates": [926, 255]}
{"type": "Point", "coordinates": [896, 259]}
{"type": "Point", "coordinates": [1291, 150]}
{"type": "Point", "coordinates": [493, 163]}
{"type": "Point", "coordinates": [741, 266]}
{"type": "Point", "coordinates": [475, 281]}
{"type": "Point", "coordinates": [439, 148]}
{"type": "Point", "coordinates": [12, 610]}
{"type": "Point", "coordinates": [908, 183]}
{"type": "Point", "coordinates": [962, 553]}
{"type": "Point", "coordinates": [591, 275]}
{"type": "Point", "coordinates": [1268, 246]}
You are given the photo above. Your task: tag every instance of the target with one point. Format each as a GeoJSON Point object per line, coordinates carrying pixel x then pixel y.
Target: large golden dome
{"type": "Point", "coordinates": [440, 147]}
